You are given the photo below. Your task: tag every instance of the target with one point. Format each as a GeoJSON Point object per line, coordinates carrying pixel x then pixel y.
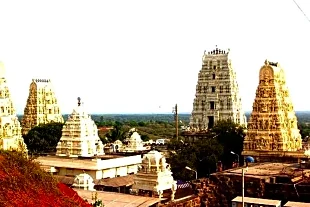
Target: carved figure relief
{"type": "Point", "coordinates": [272, 113]}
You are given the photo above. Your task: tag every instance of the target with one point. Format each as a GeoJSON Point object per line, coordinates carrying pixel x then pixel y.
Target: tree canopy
{"type": "Point", "coordinates": [203, 155]}
{"type": "Point", "coordinates": [43, 138]}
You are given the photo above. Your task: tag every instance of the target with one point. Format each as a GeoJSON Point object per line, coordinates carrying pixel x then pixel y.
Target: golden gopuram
{"type": "Point", "coordinates": [41, 107]}
{"type": "Point", "coordinates": [272, 132]}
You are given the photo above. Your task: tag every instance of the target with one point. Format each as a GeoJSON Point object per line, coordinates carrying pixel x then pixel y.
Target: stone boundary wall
{"type": "Point", "coordinates": [190, 201]}
{"type": "Point", "coordinates": [220, 189]}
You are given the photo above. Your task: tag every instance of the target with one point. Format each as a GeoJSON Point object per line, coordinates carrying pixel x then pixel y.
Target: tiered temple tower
{"type": "Point", "coordinates": [217, 93]}
{"type": "Point", "coordinates": [79, 136]}
{"type": "Point", "coordinates": [10, 129]}
{"type": "Point", "coordinates": [273, 124]}
{"type": "Point", "coordinates": [155, 176]}
{"type": "Point", "coordinates": [42, 106]}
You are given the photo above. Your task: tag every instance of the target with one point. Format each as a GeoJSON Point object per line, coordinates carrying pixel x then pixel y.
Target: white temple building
{"type": "Point", "coordinates": [155, 176]}
{"type": "Point", "coordinates": [10, 129]}
{"type": "Point", "coordinates": [135, 142]}
{"type": "Point", "coordinates": [84, 181]}
{"type": "Point", "coordinates": [80, 136]}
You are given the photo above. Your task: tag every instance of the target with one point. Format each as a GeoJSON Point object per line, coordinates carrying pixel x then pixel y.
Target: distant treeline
{"type": "Point", "coordinates": [302, 116]}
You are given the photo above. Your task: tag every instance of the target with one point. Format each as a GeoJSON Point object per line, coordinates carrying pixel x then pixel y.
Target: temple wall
{"type": "Point", "coordinates": [118, 162]}
{"type": "Point", "coordinates": [109, 173]}
{"type": "Point", "coordinates": [121, 171]}
{"type": "Point", "coordinates": [219, 190]}
{"type": "Point", "coordinates": [98, 169]}
{"type": "Point", "coordinates": [190, 201]}
{"type": "Point", "coordinates": [132, 169]}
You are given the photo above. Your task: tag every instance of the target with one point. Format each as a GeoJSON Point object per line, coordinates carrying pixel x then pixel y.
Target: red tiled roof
{"type": "Point", "coordinates": [116, 182]}
{"type": "Point", "coordinates": [68, 180]}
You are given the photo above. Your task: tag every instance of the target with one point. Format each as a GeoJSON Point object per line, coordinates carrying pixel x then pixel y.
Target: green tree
{"type": "Point", "coordinates": [43, 138]}
{"type": "Point", "coordinates": [204, 154]}
{"type": "Point", "coordinates": [145, 137]}
{"type": "Point", "coordinates": [201, 156]}
{"type": "Point", "coordinates": [117, 133]}
{"type": "Point", "coordinates": [230, 135]}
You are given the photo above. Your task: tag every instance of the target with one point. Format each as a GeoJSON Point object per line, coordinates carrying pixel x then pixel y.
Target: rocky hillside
{"type": "Point", "coordinates": [23, 184]}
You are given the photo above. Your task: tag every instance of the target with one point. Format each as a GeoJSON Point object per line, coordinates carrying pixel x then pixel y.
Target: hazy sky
{"type": "Point", "coordinates": [144, 56]}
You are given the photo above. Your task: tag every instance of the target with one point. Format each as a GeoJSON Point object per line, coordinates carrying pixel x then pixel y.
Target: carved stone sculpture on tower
{"type": "Point", "coordinates": [154, 176]}
{"type": "Point", "coordinates": [217, 93]}
{"type": "Point", "coordinates": [41, 106]}
{"type": "Point", "coordinates": [273, 123]}
{"type": "Point", "coordinates": [79, 136]}
{"type": "Point", "coordinates": [10, 129]}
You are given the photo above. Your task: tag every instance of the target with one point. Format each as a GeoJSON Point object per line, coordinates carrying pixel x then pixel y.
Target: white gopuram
{"type": "Point", "coordinates": [80, 136]}
{"type": "Point", "coordinates": [154, 176]}
{"type": "Point", "coordinates": [217, 93]}
{"type": "Point", "coordinates": [10, 129]}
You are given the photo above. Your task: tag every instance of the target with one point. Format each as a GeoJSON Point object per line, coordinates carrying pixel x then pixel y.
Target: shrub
{"type": "Point", "coordinates": [23, 183]}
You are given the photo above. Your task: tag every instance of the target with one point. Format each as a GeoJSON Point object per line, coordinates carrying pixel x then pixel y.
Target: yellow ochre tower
{"type": "Point", "coordinates": [10, 129]}
{"type": "Point", "coordinates": [273, 124]}
{"type": "Point", "coordinates": [42, 106]}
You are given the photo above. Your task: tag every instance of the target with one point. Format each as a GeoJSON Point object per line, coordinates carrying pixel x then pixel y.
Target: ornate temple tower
{"type": "Point", "coordinates": [42, 106]}
{"type": "Point", "coordinates": [217, 93]}
{"type": "Point", "coordinates": [10, 129]}
{"type": "Point", "coordinates": [273, 123]}
{"type": "Point", "coordinates": [79, 136]}
{"type": "Point", "coordinates": [155, 176]}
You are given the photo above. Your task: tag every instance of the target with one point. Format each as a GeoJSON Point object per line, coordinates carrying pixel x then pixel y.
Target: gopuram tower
{"type": "Point", "coordinates": [10, 129]}
{"type": "Point", "coordinates": [272, 128]}
{"type": "Point", "coordinates": [41, 106]}
{"type": "Point", "coordinates": [217, 93]}
{"type": "Point", "coordinates": [80, 135]}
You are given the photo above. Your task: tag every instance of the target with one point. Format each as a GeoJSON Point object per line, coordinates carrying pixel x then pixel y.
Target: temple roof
{"type": "Point", "coordinates": [153, 156]}
{"type": "Point", "coordinates": [271, 70]}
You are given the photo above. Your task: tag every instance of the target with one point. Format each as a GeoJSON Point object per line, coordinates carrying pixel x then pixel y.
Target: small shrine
{"type": "Point", "coordinates": [84, 181]}
{"type": "Point", "coordinates": [117, 146]}
{"type": "Point", "coordinates": [134, 143]}
{"type": "Point", "coordinates": [154, 176]}
{"type": "Point", "coordinates": [80, 135]}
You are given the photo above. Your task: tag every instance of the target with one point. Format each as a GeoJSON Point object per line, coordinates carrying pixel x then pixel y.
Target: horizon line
{"type": "Point", "coordinates": [135, 113]}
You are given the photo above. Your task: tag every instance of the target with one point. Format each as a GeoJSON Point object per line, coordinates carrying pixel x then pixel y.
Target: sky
{"type": "Point", "coordinates": [143, 56]}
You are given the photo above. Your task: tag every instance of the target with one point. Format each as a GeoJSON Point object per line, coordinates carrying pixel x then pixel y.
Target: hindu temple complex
{"type": "Point", "coordinates": [80, 155]}
{"type": "Point", "coordinates": [217, 94]}
{"type": "Point", "coordinates": [42, 106]}
{"type": "Point", "coordinates": [272, 128]}
{"type": "Point", "coordinates": [80, 135]}
{"type": "Point", "coordinates": [10, 129]}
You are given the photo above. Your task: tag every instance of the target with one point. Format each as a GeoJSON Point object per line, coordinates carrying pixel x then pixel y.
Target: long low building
{"type": "Point", "coordinates": [107, 166]}
{"type": "Point", "coordinates": [111, 199]}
